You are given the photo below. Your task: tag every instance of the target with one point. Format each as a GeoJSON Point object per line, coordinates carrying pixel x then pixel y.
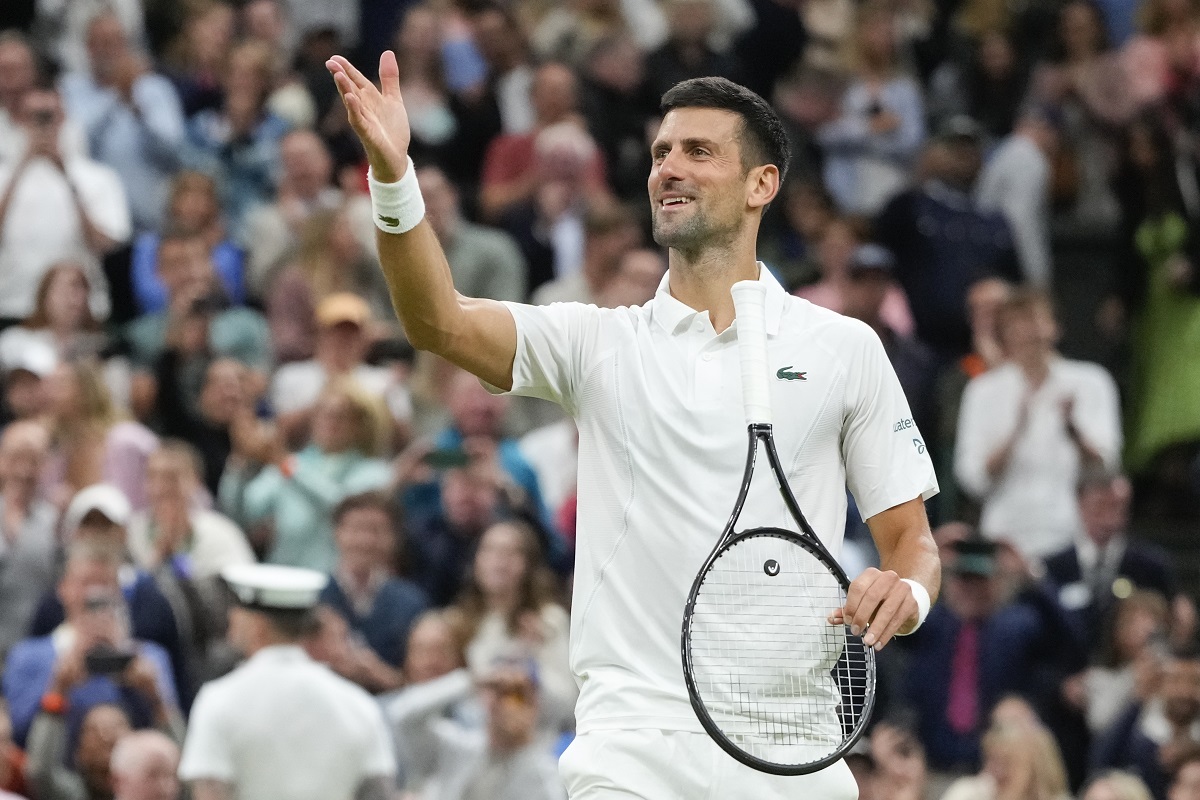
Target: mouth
{"type": "Point", "coordinates": [674, 202]}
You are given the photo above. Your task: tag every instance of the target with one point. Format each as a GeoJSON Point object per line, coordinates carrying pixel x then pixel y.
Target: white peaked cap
{"type": "Point", "coordinates": [270, 586]}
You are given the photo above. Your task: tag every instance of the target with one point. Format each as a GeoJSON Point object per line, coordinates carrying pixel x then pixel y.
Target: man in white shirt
{"type": "Point", "coordinates": [1027, 427]}
{"type": "Point", "coordinates": [657, 395]}
{"type": "Point", "coordinates": [281, 726]}
{"type": "Point", "coordinates": [54, 206]}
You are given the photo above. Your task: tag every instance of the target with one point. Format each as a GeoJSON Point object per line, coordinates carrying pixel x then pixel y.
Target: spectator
{"type": "Point", "coordinates": [1186, 783]}
{"type": "Point", "coordinates": [305, 189]}
{"type": "Point", "coordinates": [639, 276]}
{"type": "Point", "coordinates": [1152, 737]}
{"type": "Point", "coordinates": [65, 27]}
{"type": "Point", "coordinates": [484, 262]}
{"type": "Point", "coordinates": [943, 244]}
{"type": "Point", "coordinates": [419, 50]}
{"type": "Point", "coordinates": [93, 442]}
{"type": "Point", "coordinates": [687, 53]}
{"type": "Point", "coordinates": [176, 532]}
{"type": "Point", "coordinates": [239, 143]}
{"type": "Point", "coordinates": [1084, 81]}
{"type": "Point", "coordinates": [513, 171]}
{"type": "Point", "coordinates": [198, 57]}
{"type": "Point", "coordinates": [620, 105]}
{"type": "Point", "coordinates": [225, 399]}
{"type": "Point", "coordinates": [503, 45]}
{"type": "Point", "coordinates": [61, 322]}
{"type": "Point", "coordinates": [1130, 659]}
{"type": "Point", "coordinates": [1020, 761]}
{"type": "Point", "coordinates": [18, 74]}
{"type": "Point", "coordinates": [25, 383]}
{"type": "Point", "coordinates": [12, 759]}
{"type": "Point", "coordinates": [343, 321]}
{"type": "Point", "coordinates": [972, 651]}
{"type": "Point", "coordinates": [507, 611]}
{"type": "Point", "coordinates": [298, 492]}
{"type": "Point", "coordinates": [839, 252]}
{"type": "Point", "coordinates": [1158, 293]}
{"type": "Point", "coordinates": [1116, 785]}
{"type": "Point", "coordinates": [502, 759]}
{"type": "Point", "coordinates": [143, 767]}
{"type": "Point", "coordinates": [989, 87]}
{"type": "Point", "coordinates": [1016, 182]}
{"type": "Point", "coordinates": [865, 291]}
{"type": "Point", "coordinates": [27, 521]}
{"type": "Point", "coordinates": [131, 117]}
{"type": "Point", "coordinates": [872, 146]}
{"type": "Point", "coordinates": [610, 231]}
{"type": "Point", "coordinates": [192, 207]}
{"type": "Point", "coordinates": [1104, 564]}
{"type": "Point", "coordinates": [197, 320]}
{"type": "Point", "coordinates": [328, 261]}
{"type": "Point", "coordinates": [442, 542]}
{"type": "Point", "coordinates": [52, 673]}
{"type": "Point", "coordinates": [1027, 428]}
{"type": "Point", "coordinates": [791, 254]}
{"type": "Point", "coordinates": [60, 771]}
{"type": "Point", "coordinates": [434, 667]}
{"type": "Point", "coordinates": [55, 206]}
{"type": "Point", "coordinates": [1163, 61]}
{"type": "Point", "coordinates": [378, 606]}
{"type": "Point", "coordinates": [898, 765]}
{"type": "Point", "coordinates": [567, 33]}
{"type": "Point", "coordinates": [281, 725]}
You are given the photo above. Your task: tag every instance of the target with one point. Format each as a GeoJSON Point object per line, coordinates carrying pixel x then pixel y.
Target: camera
{"type": "Point", "coordinates": [104, 659]}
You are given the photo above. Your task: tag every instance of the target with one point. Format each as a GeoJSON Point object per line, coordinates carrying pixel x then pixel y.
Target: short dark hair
{"type": "Point", "coordinates": [379, 501]}
{"type": "Point", "coordinates": [764, 140]}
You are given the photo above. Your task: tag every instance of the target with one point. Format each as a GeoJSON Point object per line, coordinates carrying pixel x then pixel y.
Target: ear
{"type": "Point", "coordinates": [763, 185]}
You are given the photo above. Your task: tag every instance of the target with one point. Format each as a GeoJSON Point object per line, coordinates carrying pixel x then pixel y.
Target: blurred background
{"type": "Point", "coordinates": [201, 367]}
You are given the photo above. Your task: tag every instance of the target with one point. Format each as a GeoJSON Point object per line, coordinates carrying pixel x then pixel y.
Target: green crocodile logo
{"type": "Point", "coordinates": [785, 375]}
{"type": "Point", "coordinates": [391, 222]}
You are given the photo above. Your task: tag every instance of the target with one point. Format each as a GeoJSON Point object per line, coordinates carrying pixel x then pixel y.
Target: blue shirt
{"type": "Point", "coordinates": [148, 290]}
{"type": "Point", "coordinates": [386, 625]}
{"type": "Point", "coordinates": [141, 142]}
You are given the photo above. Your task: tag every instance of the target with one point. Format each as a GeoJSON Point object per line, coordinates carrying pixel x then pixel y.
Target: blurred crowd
{"type": "Point", "coordinates": [201, 367]}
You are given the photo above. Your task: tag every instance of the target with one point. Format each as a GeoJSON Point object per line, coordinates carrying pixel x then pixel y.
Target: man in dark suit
{"type": "Point", "coordinates": [1105, 565]}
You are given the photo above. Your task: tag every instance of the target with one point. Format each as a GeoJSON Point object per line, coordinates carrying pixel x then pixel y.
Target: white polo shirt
{"type": "Point", "coordinates": [283, 727]}
{"type": "Point", "coordinates": [662, 446]}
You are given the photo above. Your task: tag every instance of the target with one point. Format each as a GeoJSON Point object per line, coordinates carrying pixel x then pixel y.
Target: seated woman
{"type": "Point", "coordinates": [507, 610]}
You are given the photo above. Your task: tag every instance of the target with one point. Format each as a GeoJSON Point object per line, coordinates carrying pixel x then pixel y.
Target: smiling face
{"type": "Point", "coordinates": [699, 188]}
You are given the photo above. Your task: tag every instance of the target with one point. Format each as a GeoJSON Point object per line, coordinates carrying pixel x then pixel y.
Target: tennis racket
{"type": "Point", "coordinates": [772, 682]}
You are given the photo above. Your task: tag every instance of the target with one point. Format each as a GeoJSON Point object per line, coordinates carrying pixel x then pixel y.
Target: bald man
{"type": "Point", "coordinates": [143, 767]}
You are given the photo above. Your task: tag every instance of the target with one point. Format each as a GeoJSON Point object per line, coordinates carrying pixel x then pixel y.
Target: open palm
{"type": "Point", "coordinates": [377, 114]}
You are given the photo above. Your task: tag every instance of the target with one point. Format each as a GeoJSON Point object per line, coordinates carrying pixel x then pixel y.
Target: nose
{"type": "Point", "coordinates": [671, 165]}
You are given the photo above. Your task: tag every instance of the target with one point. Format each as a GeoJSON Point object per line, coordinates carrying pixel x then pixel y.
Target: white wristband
{"type": "Point", "coordinates": [921, 595]}
{"type": "Point", "coordinates": [396, 207]}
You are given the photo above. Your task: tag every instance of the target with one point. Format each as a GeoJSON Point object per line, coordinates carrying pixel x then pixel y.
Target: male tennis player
{"type": "Point", "coordinates": [657, 394]}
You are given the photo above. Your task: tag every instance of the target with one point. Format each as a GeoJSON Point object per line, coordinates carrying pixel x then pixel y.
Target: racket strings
{"type": "Point", "coordinates": [775, 677]}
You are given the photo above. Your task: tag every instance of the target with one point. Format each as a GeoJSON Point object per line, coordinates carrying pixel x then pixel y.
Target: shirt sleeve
{"type": "Point", "coordinates": [207, 751]}
{"type": "Point", "coordinates": [887, 462]}
{"type": "Point", "coordinates": [379, 758]}
{"type": "Point", "coordinates": [1097, 414]}
{"type": "Point", "coordinates": [554, 346]}
{"type": "Point", "coordinates": [977, 438]}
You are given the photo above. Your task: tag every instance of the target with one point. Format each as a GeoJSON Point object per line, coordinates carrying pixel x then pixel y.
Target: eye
{"type": "Point", "coordinates": [701, 152]}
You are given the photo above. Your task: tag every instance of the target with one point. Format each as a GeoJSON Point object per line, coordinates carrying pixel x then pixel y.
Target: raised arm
{"type": "Point", "coordinates": [478, 335]}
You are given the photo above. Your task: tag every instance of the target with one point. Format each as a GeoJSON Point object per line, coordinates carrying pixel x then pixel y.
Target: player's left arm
{"type": "Point", "coordinates": [878, 597]}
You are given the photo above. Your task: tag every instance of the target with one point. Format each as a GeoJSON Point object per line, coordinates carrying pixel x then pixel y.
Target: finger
{"type": "Point", "coordinates": [837, 617]}
{"type": "Point", "coordinates": [858, 589]}
{"type": "Point", "coordinates": [351, 71]}
{"type": "Point", "coordinates": [869, 607]}
{"type": "Point", "coordinates": [389, 74]}
{"type": "Point", "coordinates": [892, 614]}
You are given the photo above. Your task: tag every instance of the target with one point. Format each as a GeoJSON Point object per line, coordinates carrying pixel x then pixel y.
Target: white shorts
{"type": "Point", "coordinates": [679, 765]}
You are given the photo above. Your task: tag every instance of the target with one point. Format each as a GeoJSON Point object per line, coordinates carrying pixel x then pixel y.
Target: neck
{"type": "Point", "coordinates": [1035, 367]}
{"type": "Point", "coordinates": [503, 602]}
{"type": "Point", "coordinates": [703, 282]}
{"type": "Point", "coordinates": [358, 573]}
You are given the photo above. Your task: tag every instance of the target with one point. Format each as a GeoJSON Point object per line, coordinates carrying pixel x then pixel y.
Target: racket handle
{"type": "Point", "coordinates": [749, 306]}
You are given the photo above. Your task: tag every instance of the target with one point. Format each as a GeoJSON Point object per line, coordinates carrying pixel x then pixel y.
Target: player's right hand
{"type": "Point", "coordinates": [377, 115]}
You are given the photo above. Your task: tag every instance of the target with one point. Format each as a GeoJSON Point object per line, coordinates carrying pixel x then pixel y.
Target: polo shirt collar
{"type": "Point", "coordinates": [674, 316]}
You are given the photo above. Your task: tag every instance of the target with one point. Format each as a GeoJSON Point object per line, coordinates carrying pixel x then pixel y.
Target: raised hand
{"type": "Point", "coordinates": [377, 115]}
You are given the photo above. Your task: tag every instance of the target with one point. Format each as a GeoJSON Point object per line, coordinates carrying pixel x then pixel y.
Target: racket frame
{"type": "Point", "coordinates": [764, 432]}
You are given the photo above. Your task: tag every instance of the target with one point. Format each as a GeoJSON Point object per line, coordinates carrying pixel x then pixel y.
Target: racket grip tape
{"type": "Point", "coordinates": [749, 306]}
